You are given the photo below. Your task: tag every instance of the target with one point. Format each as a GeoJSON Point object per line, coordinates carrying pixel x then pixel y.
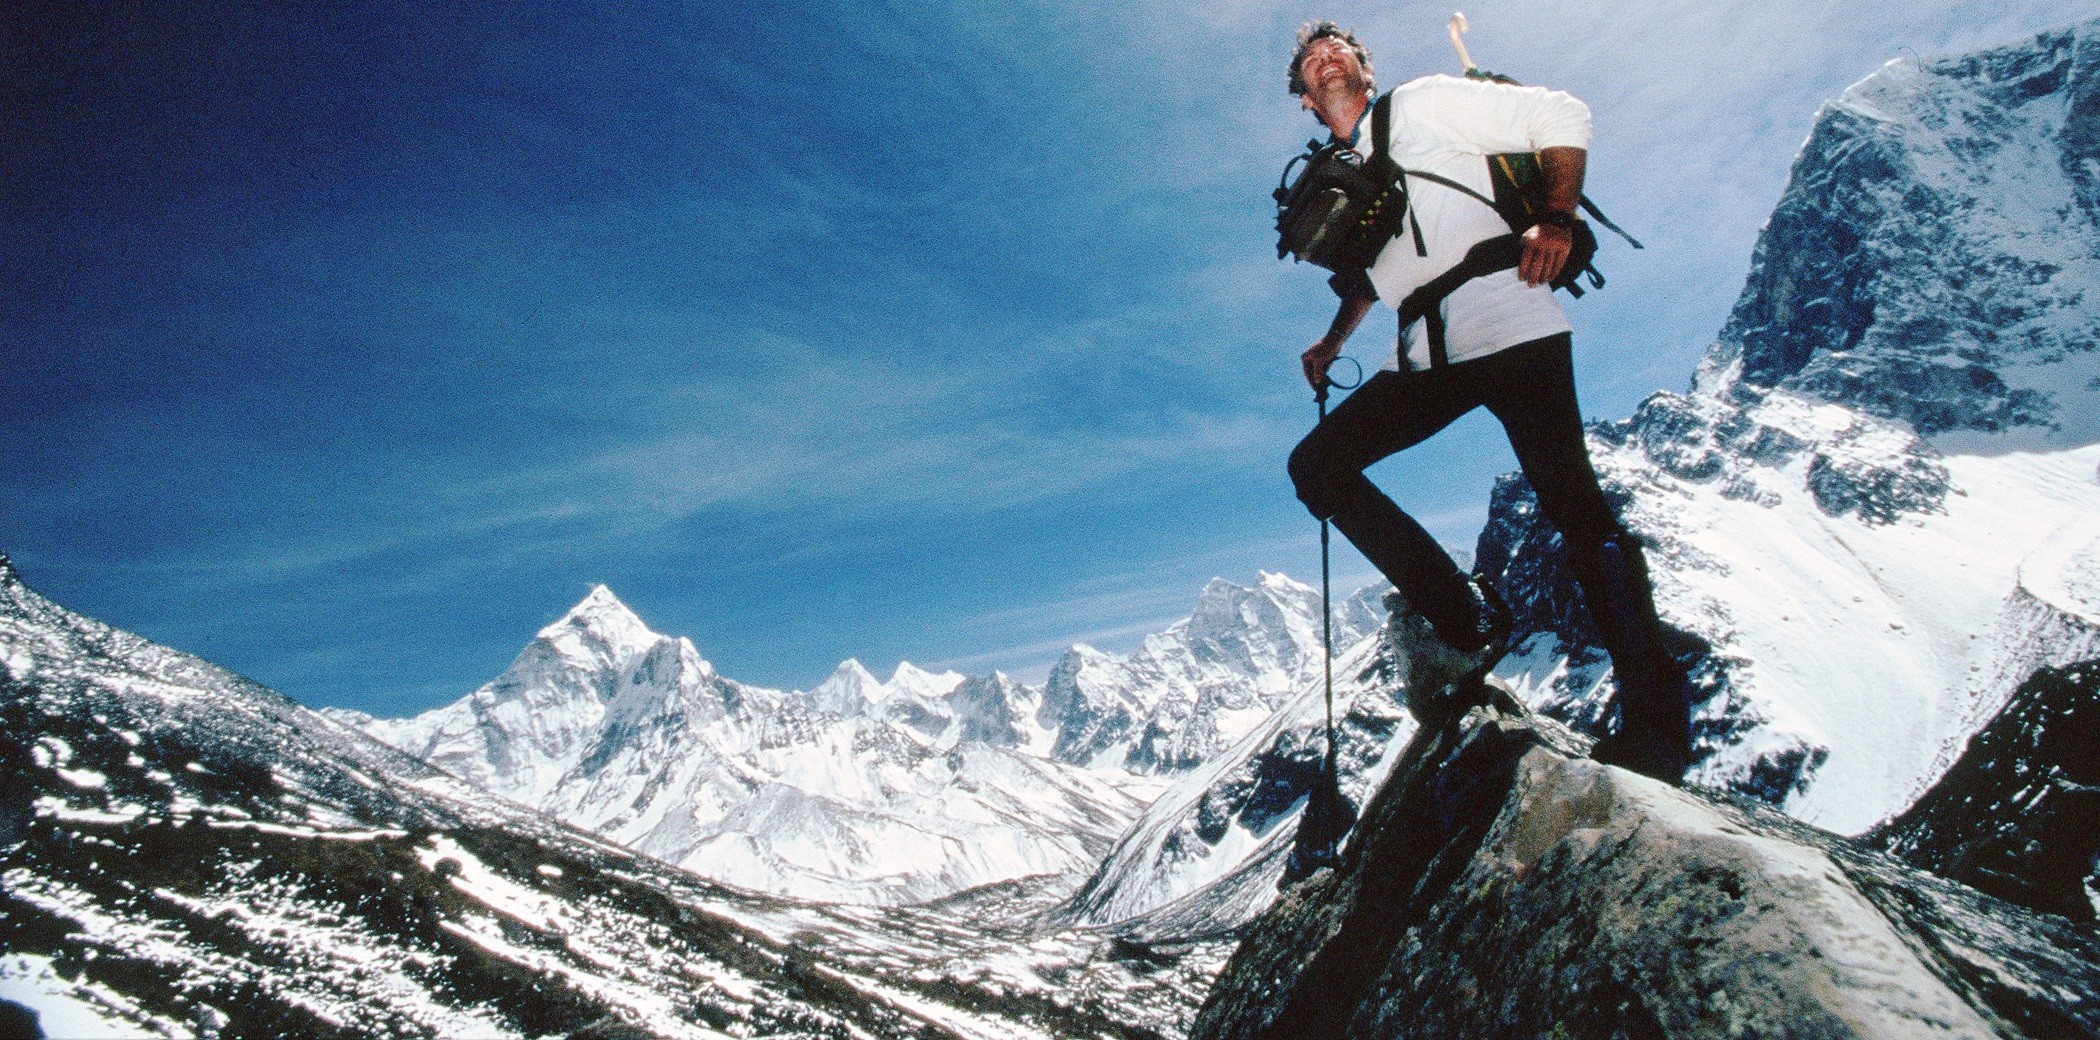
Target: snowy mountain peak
{"type": "Point", "coordinates": [850, 690]}
{"type": "Point", "coordinates": [852, 671]}
{"type": "Point", "coordinates": [601, 618]}
{"type": "Point", "coordinates": [1190, 691]}
{"type": "Point", "coordinates": [912, 679]}
{"type": "Point", "coordinates": [1943, 211]}
{"type": "Point", "coordinates": [1271, 597]}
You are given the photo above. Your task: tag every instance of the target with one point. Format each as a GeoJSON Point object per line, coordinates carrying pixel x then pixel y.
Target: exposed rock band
{"type": "Point", "coordinates": [1503, 343]}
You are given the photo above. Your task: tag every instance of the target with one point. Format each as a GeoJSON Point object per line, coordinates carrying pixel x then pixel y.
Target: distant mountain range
{"type": "Point", "coordinates": [863, 790]}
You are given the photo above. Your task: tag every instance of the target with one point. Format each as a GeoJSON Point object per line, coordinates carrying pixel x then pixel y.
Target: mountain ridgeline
{"type": "Point", "coordinates": [868, 791]}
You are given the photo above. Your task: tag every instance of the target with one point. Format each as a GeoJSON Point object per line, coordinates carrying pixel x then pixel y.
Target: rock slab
{"type": "Point", "coordinates": [1501, 885]}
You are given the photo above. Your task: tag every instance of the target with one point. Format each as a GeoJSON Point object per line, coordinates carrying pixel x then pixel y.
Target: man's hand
{"type": "Point", "coordinates": [1546, 248]}
{"type": "Point", "coordinates": [1317, 358]}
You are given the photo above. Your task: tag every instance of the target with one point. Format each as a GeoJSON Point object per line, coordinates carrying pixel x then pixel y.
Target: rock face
{"type": "Point", "coordinates": [1501, 886]}
{"type": "Point", "coordinates": [1883, 448]}
{"type": "Point", "coordinates": [2019, 815]}
{"type": "Point", "coordinates": [1925, 266]}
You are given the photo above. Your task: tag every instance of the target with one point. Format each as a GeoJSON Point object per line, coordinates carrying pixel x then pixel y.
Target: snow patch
{"type": "Point", "coordinates": [77, 1009]}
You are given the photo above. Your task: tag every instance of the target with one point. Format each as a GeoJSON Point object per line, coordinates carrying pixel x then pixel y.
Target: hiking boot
{"type": "Point", "coordinates": [1445, 680]}
{"type": "Point", "coordinates": [1654, 697]}
{"type": "Point", "coordinates": [1662, 755]}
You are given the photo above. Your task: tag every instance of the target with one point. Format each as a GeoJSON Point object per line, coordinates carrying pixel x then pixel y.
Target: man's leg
{"type": "Point", "coordinates": [1391, 412]}
{"type": "Point", "coordinates": [1534, 397]}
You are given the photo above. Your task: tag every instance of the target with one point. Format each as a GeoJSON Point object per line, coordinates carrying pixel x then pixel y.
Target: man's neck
{"type": "Point", "coordinates": [1342, 112]}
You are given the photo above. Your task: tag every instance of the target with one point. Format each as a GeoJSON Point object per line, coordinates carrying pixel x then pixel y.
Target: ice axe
{"type": "Point", "coordinates": [1458, 29]}
{"type": "Point", "coordinates": [1458, 32]}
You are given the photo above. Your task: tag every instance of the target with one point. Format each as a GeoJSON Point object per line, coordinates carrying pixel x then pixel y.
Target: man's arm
{"type": "Point", "coordinates": [1546, 246]}
{"type": "Point", "coordinates": [1325, 349]}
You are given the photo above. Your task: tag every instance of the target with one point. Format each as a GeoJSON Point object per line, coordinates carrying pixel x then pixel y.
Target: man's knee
{"type": "Point", "coordinates": [1313, 477]}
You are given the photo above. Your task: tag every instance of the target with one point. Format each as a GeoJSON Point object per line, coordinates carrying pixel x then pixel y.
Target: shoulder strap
{"type": "Point", "coordinates": [1388, 172]}
{"type": "Point", "coordinates": [1381, 128]}
{"type": "Point", "coordinates": [1381, 132]}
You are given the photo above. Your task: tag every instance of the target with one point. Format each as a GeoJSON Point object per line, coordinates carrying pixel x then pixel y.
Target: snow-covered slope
{"type": "Point", "coordinates": [1238, 810]}
{"type": "Point", "coordinates": [185, 853]}
{"type": "Point", "coordinates": [1889, 449]}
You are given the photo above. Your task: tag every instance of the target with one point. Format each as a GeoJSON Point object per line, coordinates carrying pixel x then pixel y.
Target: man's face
{"type": "Point", "coordinates": [1330, 66]}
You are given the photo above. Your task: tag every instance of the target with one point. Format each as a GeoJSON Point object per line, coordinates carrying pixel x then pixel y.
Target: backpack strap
{"type": "Point", "coordinates": [1587, 206]}
{"type": "Point", "coordinates": [1427, 301]}
{"type": "Point", "coordinates": [1382, 166]}
{"type": "Point", "coordinates": [1592, 210]}
{"type": "Point", "coordinates": [1381, 132]}
{"type": "Point", "coordinates": [1449, 183]}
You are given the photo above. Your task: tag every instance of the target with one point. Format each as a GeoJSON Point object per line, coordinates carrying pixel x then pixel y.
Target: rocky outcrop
{"type": "Point", "coordinates": [1501, 885]}
{"type": "Point", "coordinates": [2019, 814]}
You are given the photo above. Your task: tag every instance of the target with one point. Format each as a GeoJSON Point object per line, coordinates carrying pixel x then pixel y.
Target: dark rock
{"type": "Point", "coordinates": [1501, 886]}
{"type": "Point", "coordinates": [16, 1020]}
{"type": "Point", "coordinates": [2018, 815]}
{"type": "Point", "coordinates": [1878, 490]}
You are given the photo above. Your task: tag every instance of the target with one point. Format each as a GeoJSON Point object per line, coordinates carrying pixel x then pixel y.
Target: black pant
{"type": "Point", "coordinates": [1530, 388]}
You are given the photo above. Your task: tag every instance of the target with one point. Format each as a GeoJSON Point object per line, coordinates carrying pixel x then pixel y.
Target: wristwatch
{"type": "Point", "coordinates": [1560, 218]}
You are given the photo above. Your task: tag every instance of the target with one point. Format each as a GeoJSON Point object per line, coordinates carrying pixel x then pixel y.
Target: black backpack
{"type": "Point", "coordinates": [1340, 211]}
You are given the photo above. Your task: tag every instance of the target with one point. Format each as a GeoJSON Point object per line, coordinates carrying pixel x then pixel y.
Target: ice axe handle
{"type": "Point", "coordinates": [1458, 32]}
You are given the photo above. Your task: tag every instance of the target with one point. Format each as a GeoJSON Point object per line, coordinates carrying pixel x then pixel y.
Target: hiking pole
{"type": "Point", "coordinates": [1326, 614]}
{"type": "Point", "coordinates": [1328, 815]}
{"type": "Point", "coordinates": [1326, 583]}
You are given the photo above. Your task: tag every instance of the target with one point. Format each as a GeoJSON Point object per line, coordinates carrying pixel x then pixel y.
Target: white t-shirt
{"type": "Point", "coordinates": [1447, 125]}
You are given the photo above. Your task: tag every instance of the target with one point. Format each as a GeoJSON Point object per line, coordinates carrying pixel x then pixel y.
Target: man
{"type": "Point", "coordinates": [1497, 340]}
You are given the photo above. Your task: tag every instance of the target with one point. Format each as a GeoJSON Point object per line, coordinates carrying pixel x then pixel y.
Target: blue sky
{"type": "Point", "coordinates": [346, 346]}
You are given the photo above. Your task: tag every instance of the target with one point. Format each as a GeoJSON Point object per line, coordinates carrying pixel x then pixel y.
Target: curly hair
{"type": "Point", "coordinates": [1321, 29]}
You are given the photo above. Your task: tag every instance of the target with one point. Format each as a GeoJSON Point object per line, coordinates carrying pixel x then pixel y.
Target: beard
{"type": "Point", "coordinates": [1348, 83]}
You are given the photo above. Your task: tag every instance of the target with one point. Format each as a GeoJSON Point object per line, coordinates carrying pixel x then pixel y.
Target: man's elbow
{"type": "Point", "coordinates": [1563, 124]}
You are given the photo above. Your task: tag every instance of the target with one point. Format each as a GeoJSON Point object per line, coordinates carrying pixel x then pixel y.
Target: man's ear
{"type": "Point", "coordinates": [1305, 101]}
